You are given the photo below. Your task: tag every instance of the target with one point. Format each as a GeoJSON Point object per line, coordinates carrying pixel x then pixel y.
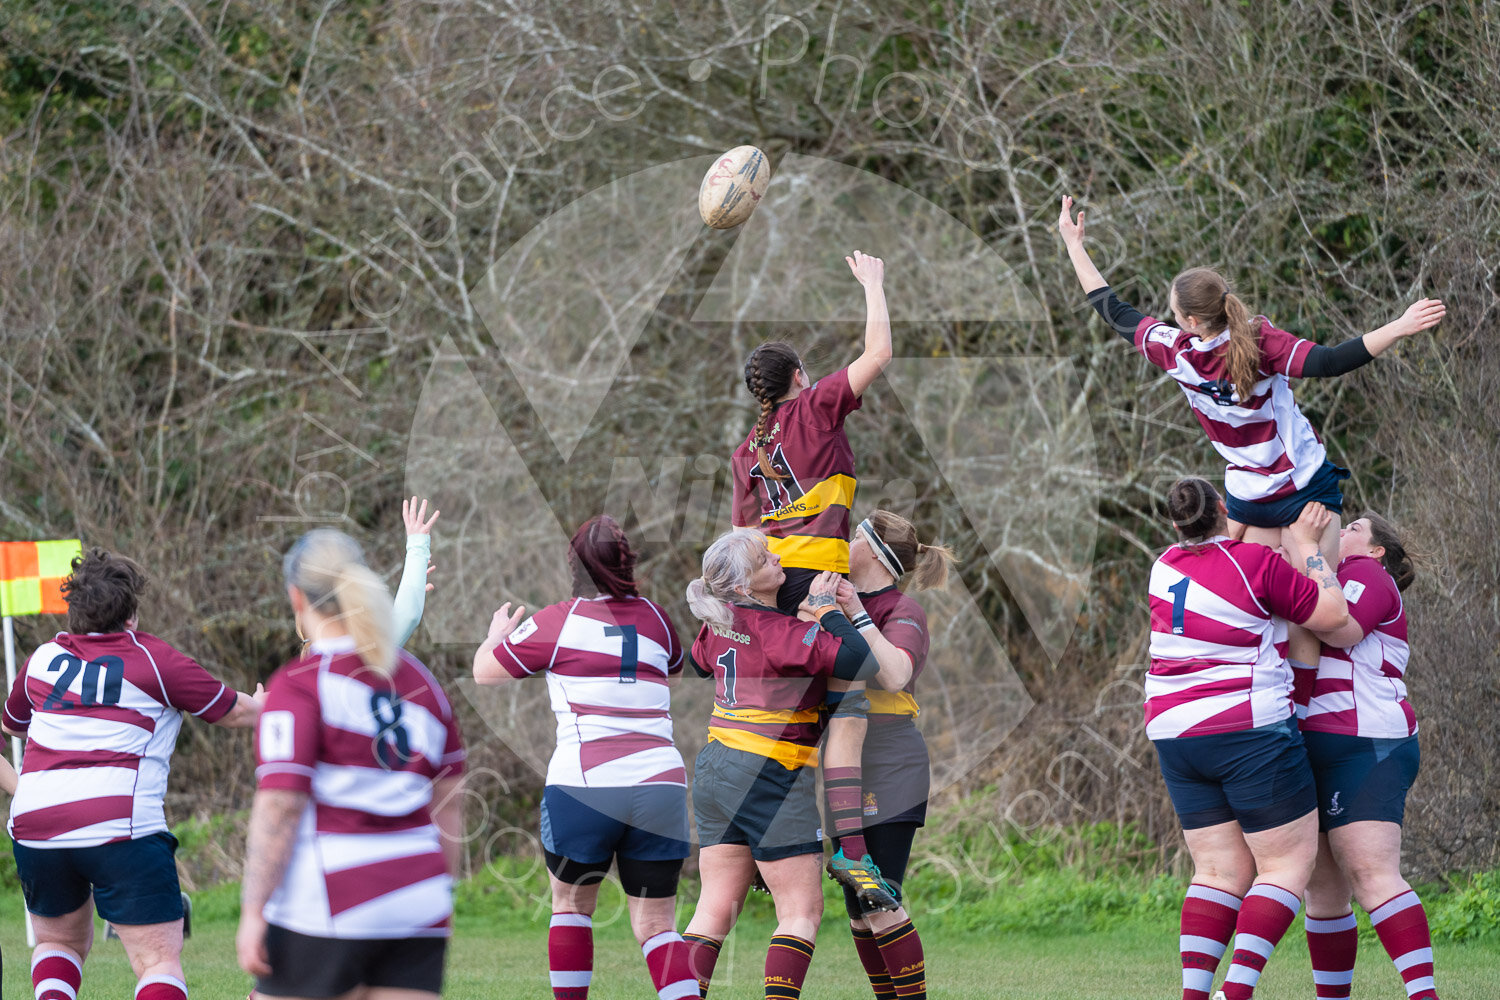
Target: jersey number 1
{"type": "Point", "coordinates": [726, 663]}
{"type": "Point", "coordinates": [1178, 591]}
{"type": "Point", "coordinates": [629, 650]}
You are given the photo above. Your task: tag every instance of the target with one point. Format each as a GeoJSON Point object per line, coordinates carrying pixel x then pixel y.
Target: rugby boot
{"type": "Point", "coordinates": [862, 877]}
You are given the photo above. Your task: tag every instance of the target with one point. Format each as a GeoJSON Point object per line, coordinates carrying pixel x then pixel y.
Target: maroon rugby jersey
{"type": "Point", "coordinates": [101, 713]}
{"type": "Point", "coordinates": [903, 623]}
{"type": "Point", "coordinates": [368, 860]}
{"type": "Point", "coordinates": [771, 673]}
{"type": "Point", "coordinates": [806, 515]}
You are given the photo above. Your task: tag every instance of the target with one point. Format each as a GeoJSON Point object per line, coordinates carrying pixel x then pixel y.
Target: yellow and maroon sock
{"type": "Point", "coordinates": [786, 966]}
{"type": "Point", "coordinates": [703, 955]}
{"type": "Point", "coordinates": [901, 947]}
{"type": "Point", "coordinates": [874, 963]}
{"type": "Point", "coordinates": [841, 786]}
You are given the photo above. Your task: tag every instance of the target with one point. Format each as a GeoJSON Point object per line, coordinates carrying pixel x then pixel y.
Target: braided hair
{"type": "Point", "coordinates": [768, 376]}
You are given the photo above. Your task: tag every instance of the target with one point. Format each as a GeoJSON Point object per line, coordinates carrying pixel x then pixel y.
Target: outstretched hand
{"type": "Point", "coordinates": [504, 623]}
{"type": "Point", "coordinates": [868, 271]}
{"type": "Point", "coordinates": [416, 519]}
{"type": "Point", "coordinates": [1423, 314]}
{"type": "Point", "coordinates": [1072, 232]}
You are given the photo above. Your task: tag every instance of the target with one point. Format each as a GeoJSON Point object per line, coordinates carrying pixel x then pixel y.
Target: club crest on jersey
{"type": "Point", "coordinates": [1221, 391]}
{"type": "Point", "coordinates": [523, 630]}
{"type": "Point", "coordinates": [1161, 333]}
{"type": "Point", "coordinates": [1353, 591]}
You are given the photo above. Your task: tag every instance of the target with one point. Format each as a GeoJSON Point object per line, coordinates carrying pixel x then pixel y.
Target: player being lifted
{"type": "Point", "coordinates": [794, 480]}
{"type": "Point", "coordinates": [616, 788]}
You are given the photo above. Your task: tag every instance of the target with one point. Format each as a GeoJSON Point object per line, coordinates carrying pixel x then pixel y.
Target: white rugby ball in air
{"type": "Point", "coordinates": [733, 187]}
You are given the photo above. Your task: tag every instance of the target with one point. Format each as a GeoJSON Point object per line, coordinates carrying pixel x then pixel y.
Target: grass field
{"type": "Point", "coordinates": [1137, 961]}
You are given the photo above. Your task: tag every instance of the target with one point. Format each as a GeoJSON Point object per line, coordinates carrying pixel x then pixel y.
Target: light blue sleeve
{"type": "Point", "coordinates": [411, 595]}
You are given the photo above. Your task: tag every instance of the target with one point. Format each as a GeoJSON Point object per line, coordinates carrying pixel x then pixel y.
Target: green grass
{"type": "Point", "coordinates": [506, 957]}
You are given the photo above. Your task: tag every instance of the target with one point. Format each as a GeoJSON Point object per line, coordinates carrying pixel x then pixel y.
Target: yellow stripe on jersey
{"type": "Point", "coordinates": [789, 755]}
{"type": "Point", "coordinates": [891, 703]}
{"type": "Point", "coordinates": [811, 552]}
{"type": "Point", "coordinates": [763, 718]}
{"type": "Point", "coordinates": [836, 489]}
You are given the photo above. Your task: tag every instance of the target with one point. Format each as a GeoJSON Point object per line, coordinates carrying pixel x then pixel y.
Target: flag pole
{"type": "Point", "coordinates": [15, 741]}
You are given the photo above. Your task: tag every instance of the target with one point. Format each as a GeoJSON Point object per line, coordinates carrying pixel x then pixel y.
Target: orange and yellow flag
{"type": "Point", "coordinates": [31, 576]}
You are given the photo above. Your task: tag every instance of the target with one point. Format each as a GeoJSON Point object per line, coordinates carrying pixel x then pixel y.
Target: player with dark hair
{"type": "Point", "coordinates": [897, 773]}
{"type": "Point", "coordinates": [1361, 736]}
{"type": "Point", "coordinates": [794, 480]}
{"type": "Point", "coordinates": [1219, 711]}
{"type": "Point", "coordinates": [616, 788]}
{"type": "Point", "coordinates": [100, 707]}
{"type": "Point", "coordinates": [754, 784]}
{"type": "Point", "coordinates": [357, 825]}
{"type": "Point", "coordinates": [1235, 370]}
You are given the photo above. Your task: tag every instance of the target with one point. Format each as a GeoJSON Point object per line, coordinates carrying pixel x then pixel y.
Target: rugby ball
{"type": "Point", "coordinates": [733, 187]}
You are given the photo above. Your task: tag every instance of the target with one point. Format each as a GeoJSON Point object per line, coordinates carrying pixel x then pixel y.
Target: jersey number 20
{"type": "Point", "coordinates": [90, 693]}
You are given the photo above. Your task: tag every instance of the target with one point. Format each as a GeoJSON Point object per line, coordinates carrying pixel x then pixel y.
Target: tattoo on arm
{"type": "Point", "coordinates": [268, 850]}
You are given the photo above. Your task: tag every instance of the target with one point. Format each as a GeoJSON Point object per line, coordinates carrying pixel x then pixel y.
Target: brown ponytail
{"type": "Point", "coordinates": [768, 376]}
{"type": "Point", "coordinates": [929, 562]}
{"type": "Point", "coordinates": [1203, 294]}
{"type": "Point", "coordinates": [1397, 561]}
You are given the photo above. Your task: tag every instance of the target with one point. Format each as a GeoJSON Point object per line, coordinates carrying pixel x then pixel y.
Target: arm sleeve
{"type": "Point", "coordinates": [1121, 317]}
{"type": "Point", "coordinates": [1327, 362]}
{"type": "Point", "coordinates": [698, 668]}
{"type": "Point", "coordinates": [18, 704]}
{"type": "Point", "coordinates": [411, 595]}
{"type": "Point", "coordinates": [532, 646]}
{"type": "Point", "coordinates": [1285, 591]}
{"type": "Point", "coordinates": [286, 737]}
{"type": "Point", "coordinates": [853, 662]}
{"type": "Point", "coordinates": [1370, 591]}
{"type": "Point", "coordinates": [189, 687]}
{"type": "Point", "coordinates": [1281, 352]}
{"type": "Point", "coordinates": [833, 399]}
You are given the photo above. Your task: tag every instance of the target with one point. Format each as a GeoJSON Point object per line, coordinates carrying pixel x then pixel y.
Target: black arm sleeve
{"type": "Point", "coordinates": [1326, 362]}
{"type": "Point", "coordinates": [854, 661]}
{"type": "Point", "coordinates": [1122, 317]}
{"type": "Point", "coordinates": [696, 668]}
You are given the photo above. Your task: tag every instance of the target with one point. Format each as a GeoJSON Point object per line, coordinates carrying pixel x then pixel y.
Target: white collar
{"type": "Point", "coordinates": [334, 644]}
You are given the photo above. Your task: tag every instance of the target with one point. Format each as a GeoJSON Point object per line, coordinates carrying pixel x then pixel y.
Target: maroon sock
{"type": "Point", "coordinates": [161, 988]}
{"type": "Point", "coordinates": [1265, 915]}
{"type": "Point", "coordinates": [1332, 944]}
{"type": "Point", "coordinates": [874, 963]}
{"type": "Point", "coordinates": [1402, 925]}
{"type": "Point", "coordinates": [901, 947]}
{"type": "Point", "coordinates": [570, 955]}
{"type": "Point", "coordinates": [51, 971]}
{"type": "Point", "coordinates": [667, 961]}
{"type": "Point", "coordinates": [841, 785]}
{"type": "Point", "coordinates": [703, 955]}
{"type": "Point", "coordinates": [786, 966]}
{"type": "Point", "coordinates": [1208, 917]}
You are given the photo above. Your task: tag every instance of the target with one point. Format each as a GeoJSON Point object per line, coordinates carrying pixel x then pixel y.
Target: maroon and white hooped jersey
{"type": "Point", "coordinates": [1271, 448]}
{"type": "Point", "coordinates": [368, 861]}
{"type": "Point", "coordinates": [607, 660]}
{"type": "Point", "coordinates": [101, 714]}
{"type": "Point", "coordinates": [1361, 691]}
{"type": "Point", "coordinates": [1218, 638]}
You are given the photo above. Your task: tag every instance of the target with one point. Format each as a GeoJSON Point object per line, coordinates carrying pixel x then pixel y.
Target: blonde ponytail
{"type": "Point", "coordinates": [705, 606]}
{"type": "Point", "coordinates": [329, 568]}
{"type": "Point", "coordinates": [930, 563]}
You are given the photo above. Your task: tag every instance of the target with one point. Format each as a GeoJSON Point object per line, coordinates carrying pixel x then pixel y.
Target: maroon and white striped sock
{"type": "Point", "coordinates": [1265, 915]}
{"type": "Point", "coordinates": [1401, 923]}
{"type": "Point", "coordinates": [1208, 917]}
{"type": "Point", "coordinates": [874, 963]}
{"type": "Point", "coordinates": [161, 988]}
{"type": "Point", "coordinates": [841, 786]}
{"type": "Point", "coordinates": [703, 955]}
{"type": "Point", "coordinates": [904, 960]}
{"type": "Point", "coordinates": [786, 966]}
{"type": "Point", "coordinates": [1333, 944]}
{"type": "Point", "coordinates": [56, 975]}
{"type": "Point", "coordinates": [667, 959]}
{"type": "Point", "coordinates": [570, 955]}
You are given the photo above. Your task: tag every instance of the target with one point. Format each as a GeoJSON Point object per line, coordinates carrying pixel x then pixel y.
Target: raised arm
{"type": "Point", "coordinates": [1072, 236]}
{"type": "Point", "coordinates": [870, 272]}
{"type": "Point", "coordinates": [411, 595]}
{"type": "Point", "coordinates": [1327, 362]}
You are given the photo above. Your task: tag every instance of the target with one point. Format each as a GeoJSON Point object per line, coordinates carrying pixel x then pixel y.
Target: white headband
{"type": "Point", "coordinates": [882, 551]}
